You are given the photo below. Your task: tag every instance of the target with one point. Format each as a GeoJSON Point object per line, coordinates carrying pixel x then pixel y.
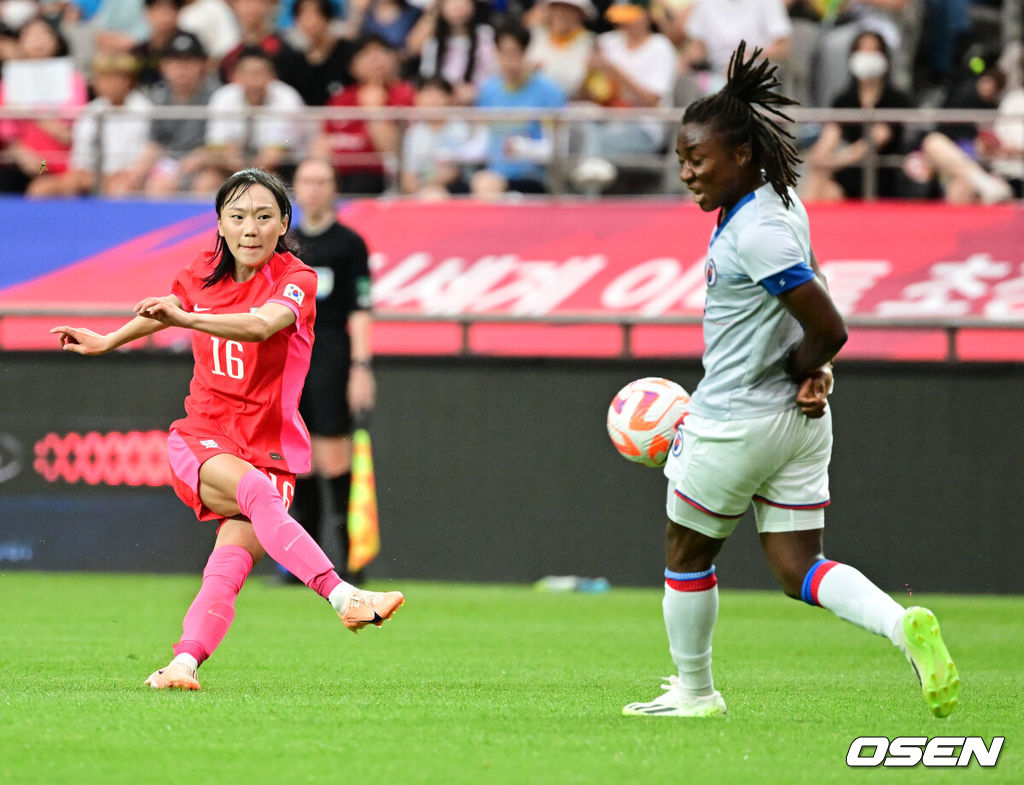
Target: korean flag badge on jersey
{"type": "Point", "coordinates": [295, 293]}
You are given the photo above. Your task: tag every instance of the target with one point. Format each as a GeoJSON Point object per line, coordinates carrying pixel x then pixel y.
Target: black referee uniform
{"type": "Point", "coordinates": [341, 260]}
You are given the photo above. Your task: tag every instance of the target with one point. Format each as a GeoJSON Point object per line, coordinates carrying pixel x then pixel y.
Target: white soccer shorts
{"type": "Point", "coordinates": [717, 468]}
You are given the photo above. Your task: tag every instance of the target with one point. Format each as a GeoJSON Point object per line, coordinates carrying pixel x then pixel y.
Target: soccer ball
{"type": "Point", "coordinates": [642, 419]}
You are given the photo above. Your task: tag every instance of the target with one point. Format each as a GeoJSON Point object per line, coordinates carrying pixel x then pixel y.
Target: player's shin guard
{"type": "Point", "coordinates": [212, 611]}
{"type": "Point", "coordinates": [282, 537]}
{"type": "Point", "coordinates": [690, 607]}
{"type": "Point", "coordinates": [845, 591]}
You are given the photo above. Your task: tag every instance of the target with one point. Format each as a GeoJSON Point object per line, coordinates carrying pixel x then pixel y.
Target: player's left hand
{"type": "Point", "coordinates": [812, 394]}
{"type": "Point", "coordinates": [163, 309]}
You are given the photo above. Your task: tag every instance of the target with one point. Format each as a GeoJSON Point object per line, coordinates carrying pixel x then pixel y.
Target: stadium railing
{"type": "Point", "coordinates": [562, 125]}
{"type": "Point", "coordinates": [951, 327]}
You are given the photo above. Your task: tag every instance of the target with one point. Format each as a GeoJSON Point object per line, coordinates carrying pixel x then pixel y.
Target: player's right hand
{"type": "Point", "coordinates": [162, 309]}
{"type": "Point", "coordinates": [812, 394]}
{"type": "Point", "coordinates": [80, 340]}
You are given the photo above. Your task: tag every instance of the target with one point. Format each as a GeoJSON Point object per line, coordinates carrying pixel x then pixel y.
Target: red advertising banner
{"type": "Point", "coordinates": [953, 272]}
{"type": "Point", "coordinates": [886, 262]}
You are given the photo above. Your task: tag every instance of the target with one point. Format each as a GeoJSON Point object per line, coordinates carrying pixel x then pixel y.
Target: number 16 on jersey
{"type": "Point", "coordinates": [230, 364]}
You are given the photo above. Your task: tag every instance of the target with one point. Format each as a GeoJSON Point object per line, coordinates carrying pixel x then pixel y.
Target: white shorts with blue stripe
{"type": "Point", "coordinates": [778, 463]}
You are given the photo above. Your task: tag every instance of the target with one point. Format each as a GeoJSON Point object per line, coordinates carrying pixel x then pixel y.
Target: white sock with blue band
{"type": "Point", "coordinates": [690, 608]}
{"type": "Point", "coordinates": [846, 592]}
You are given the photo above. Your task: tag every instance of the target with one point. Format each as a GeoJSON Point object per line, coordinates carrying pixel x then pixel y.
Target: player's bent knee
{"type": "Point", "coordinates": [238, 531]}
{"type": "Point", "coordinates": [689, 550]}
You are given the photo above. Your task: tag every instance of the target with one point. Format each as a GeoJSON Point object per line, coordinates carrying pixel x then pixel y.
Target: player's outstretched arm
{"type": "Point", "coordinates": [81, 340]}
{"type": "Point", "coordinates": [253, 327]}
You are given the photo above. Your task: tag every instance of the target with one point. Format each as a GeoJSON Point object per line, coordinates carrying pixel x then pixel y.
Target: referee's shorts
{"type": "Point", "coordinates": [324, 403]}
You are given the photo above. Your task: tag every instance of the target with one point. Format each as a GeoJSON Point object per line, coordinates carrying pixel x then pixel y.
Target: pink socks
{"type": "Point", "coordinates": [213, 609]}
{"type": "Point", "coordinates": [284, 540]}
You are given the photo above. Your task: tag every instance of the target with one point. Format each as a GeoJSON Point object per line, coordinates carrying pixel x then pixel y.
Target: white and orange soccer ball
{"type": "Point", "coordinates": [642, 419]}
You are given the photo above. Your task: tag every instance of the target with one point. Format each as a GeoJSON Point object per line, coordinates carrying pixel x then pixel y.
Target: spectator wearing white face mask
{"type": "Point", "coordinates": [836, 159]}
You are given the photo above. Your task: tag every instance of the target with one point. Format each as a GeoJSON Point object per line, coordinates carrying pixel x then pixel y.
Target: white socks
{"type": "Point", "coordinates": [690, 608]}
{"type": "Point", "coordinates": [845, 591]}
{"type": "Point", "coordinates": [187, 660]}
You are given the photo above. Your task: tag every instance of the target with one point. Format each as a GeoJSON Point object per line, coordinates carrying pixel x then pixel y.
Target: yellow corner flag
{"type": "Point", "coordinates": [363, 529]}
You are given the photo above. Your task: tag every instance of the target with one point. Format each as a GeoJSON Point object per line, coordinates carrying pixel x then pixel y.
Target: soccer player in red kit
{"type": "Point", "coordinates": [251, 307]}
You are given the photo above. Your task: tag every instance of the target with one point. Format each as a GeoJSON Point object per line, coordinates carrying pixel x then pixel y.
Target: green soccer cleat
{"type": "Point", "coordinates": [922, 643]}
{"type": "Point", "coordinates": [674, 704]}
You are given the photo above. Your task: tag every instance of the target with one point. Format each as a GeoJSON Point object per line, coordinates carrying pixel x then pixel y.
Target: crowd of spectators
{"type": "Point", "coordinates": [66, 63]}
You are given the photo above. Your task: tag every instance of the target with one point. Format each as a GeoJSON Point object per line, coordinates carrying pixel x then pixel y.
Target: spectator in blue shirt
{"type": "Point", "coordinates": [517, 152]}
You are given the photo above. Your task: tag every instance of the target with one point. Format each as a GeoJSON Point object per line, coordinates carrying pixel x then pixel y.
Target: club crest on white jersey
{"type": "Point", "coordinates": [710, 272]}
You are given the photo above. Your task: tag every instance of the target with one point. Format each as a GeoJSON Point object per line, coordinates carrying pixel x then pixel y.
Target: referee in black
{"type": "Point", "coordinates": [340, 383]}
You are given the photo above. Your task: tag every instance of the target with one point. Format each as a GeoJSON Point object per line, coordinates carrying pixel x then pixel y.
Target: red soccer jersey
{"type": "Point", "coordinates": [249, 391]}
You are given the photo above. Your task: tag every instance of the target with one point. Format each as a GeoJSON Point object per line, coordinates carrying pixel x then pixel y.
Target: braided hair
{"type": "Point", "coordinates": [732, 111]}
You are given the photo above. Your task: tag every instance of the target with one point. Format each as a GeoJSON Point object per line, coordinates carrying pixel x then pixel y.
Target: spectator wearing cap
{"type": "Point", "coordinates": [561, 45]}
{"type": "Point", "coordinates": [102, 153]}
{"type": "Point", "coordinates": [255, 23]}
{"type": "Point", "coordinates": [632, 66]}
{"type": "Point", "coordinates": [364, 151]}
{"type": "Point", "coordinates": [517, 151]}
{"type": "Point", "coordinates": [322, 67]}
{"type": "Point", "coordinates": [162, 16]}
{"type": "Point", "coordinates": [253, 123]}
{"type": "Point", "coordinates": [174, 154]}
{"type": "Point", "coordinates": [28, 143]}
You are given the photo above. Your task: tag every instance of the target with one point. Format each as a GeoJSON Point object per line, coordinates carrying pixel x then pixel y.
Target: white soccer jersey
{"type": "Point", "coordinates": [760, 250]}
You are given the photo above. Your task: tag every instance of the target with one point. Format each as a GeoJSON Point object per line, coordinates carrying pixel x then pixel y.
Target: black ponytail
{"type": "Point", "coordinates": [732, 112]}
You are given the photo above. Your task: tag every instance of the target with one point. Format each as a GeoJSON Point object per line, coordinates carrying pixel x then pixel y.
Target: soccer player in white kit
{"type": "Point", "coordinates": [759, 430]}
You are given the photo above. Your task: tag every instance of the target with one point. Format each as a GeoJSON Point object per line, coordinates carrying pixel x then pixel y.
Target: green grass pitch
{"type": "Point", "coordinates": [472, 684]}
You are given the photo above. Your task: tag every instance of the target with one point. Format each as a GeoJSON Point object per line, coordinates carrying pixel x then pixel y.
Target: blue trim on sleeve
{"type": "Point", "coordinates": [805, 589]}
{"type": "Point", "coordinates": [688, 576]}
{"type": "Point", "coordinates": [788, 279]}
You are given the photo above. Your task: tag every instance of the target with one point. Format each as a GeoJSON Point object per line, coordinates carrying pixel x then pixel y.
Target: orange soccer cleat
{"type": "Point", "coordinates": [175, 676]}
{"type": "Point", "coordinates": [370, 607]}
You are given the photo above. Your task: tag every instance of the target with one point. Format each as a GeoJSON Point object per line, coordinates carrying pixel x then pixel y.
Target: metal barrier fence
{"type": "Point", "coordinates": [561, 125]}
{"type": "Point", "coordinates": [950, 327]}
